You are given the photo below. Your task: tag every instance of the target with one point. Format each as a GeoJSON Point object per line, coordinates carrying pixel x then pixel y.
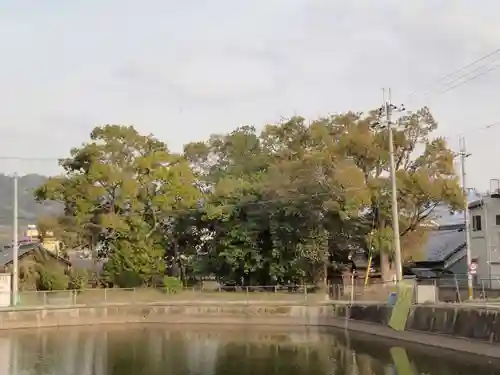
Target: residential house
{"type": "Point", "coordinates": [447, 248]}
{"type": "Point", "coordinates": [485, 238]}
{"type": "Point", "coordinates": [29, 257]}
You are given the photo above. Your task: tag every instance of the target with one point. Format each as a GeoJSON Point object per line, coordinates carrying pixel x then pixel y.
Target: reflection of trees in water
{"type": "Point", "coordinates": [202, 353]}
{"type": "Point", "coordinates": [155, 350]}
{"type": "Point", "coordinates": [147, 350]}
{"type": "Point", "coordinates": [268, 359]}
{"type": "Point", "coordinates": [42, 352]}
{"type": "Point", "coordinates": [349, 362]}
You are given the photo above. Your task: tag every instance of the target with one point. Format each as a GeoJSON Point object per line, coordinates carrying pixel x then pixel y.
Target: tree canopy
{"type": "Point", "coordinates": [283, 205]}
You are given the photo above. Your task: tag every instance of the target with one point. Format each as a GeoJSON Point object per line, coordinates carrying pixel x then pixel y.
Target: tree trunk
{"type": "Point", "coordinates": [385, 267]}
{"type": "Point", "coordinates": [325, 280]}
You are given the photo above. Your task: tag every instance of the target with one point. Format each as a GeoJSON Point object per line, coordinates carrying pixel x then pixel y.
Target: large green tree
{"type": "Point", "coordinates": [290, 200]}
{"type": "Point", "coordinates": [287, 204]}
{"type": "Point", "coordinates": [425, 175]}
{"type": "Point", "coordinates": [123, 191]}
{"type": "Point", "coordinates": [279, 201]}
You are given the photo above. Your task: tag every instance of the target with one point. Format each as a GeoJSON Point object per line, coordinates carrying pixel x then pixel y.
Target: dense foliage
{"type": "Point", "coordinates": [284, 205]}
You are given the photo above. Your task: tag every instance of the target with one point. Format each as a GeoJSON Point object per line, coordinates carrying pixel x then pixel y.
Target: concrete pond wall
{"type": "Point", "coordinates": [203, 313]}
{"type": "Point", "coordinates": [450, 322]}
{"type": "Point", "coordinates": [458, 321]}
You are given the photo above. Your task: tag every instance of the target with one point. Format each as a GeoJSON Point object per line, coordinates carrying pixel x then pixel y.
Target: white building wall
{"type": "Point", "coordinates": [485, 243]}
{"type": "Point", "coordinates": [5, 289]}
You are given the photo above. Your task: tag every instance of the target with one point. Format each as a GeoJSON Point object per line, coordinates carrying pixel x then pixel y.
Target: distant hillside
{"type": "Point", "coordinates": [29, 210]}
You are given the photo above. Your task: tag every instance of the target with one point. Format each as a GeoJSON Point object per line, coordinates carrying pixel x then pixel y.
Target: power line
{"type": "Point", "coordinates": [443, 78]}
{"type": "Point", "coordinates": [460, 70]}
{"type": "Point", "coordinates": [29, 158]}
{"type": "Point", "coordinates": [471, 78]}
{"type": "Point", "coordinates": [475, 129]}
{"type": "Point", "coordinates": [459, 81]}
{"type": "Point", "coordinates": [456, 134]}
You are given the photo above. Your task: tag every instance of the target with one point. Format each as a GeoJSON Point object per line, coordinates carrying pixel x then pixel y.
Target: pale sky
{"type": "Point", "coordinates": [185, 69]}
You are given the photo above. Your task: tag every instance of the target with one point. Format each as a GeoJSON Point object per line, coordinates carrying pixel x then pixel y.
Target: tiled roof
{"type": "Point", "coordinates": [443, 243]}
{"type": "Point", "coordinates": [6, 252]}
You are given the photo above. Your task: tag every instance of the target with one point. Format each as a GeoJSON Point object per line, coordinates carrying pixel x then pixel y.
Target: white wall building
{"type": "Point", "coordinates": [485, 237]}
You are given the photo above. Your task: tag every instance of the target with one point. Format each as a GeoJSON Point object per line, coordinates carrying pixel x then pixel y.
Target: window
{"type": "Point", "coordinates": [476, 223]}
{"type": "Point", "coordinates": [497, 220]}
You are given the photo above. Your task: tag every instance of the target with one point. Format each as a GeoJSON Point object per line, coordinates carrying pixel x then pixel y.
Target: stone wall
{"type": "Point", "coordinates": [446, 321]}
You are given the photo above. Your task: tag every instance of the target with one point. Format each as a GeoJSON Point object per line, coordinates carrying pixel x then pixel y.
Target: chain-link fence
{"type": "Point", "coordinates": [377, 292]}
{"type": "Point", "coordinates": [349, 292]}
{"type": "Point", "coordinates": [457, 290]}
{"type": "Point", "coordinates": [450, 289]}
{"type": "Point", "coordinates": [158, 295]}
{"type": "Point", "coordinates": [356, 290]}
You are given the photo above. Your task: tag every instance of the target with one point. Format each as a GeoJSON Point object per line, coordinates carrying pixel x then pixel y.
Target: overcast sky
{"type": "Point", "coordinates": [185, 69]}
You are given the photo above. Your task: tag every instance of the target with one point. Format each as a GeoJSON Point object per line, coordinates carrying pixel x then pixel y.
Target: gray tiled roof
{"type": "Point", "coordinates": [6, 252]}
{"type": "Point", "coordinates": [442, 213]}
{"type": "Point", "coordinates": [443, 243]}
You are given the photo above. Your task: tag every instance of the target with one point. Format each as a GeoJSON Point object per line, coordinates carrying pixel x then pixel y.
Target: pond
{"type": "Point", "coordinates": [217, 350]}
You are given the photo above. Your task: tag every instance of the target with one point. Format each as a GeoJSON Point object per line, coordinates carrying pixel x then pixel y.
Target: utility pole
{"type": "Point", "coordinates": [15, 246]}
{"type": "Point", "coordinates": [463, 155]}
{"type": "Point", "coordinates": [386, 111]}
{"type": "Point", "coordinates": [389, 107]}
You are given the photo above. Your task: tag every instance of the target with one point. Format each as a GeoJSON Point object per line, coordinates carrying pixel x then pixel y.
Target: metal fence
{"type": "Point", "coordinates": [154, 295]}
{"type": "Point", "coordinates": [482, 291]}
{"type": "Point", "coordinates": [453, 289]}
{"type": "Point", "coordinates": [354, 291]}
{"type": "Point", "coordinates": [296, 294]}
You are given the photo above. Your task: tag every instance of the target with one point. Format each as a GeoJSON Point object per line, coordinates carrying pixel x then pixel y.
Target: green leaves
{"type": "Point", "coordinates": [284, 205]}
{"type": "Point", "coordinates": [319, 189]}
{"type": "Point", "coordinates": [122, 188]}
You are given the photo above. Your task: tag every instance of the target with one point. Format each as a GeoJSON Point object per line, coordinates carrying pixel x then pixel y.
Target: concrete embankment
{"type": "Point", "coordinates": [468, 329]}
{"type": "Point", "coordinates": [462, 328]}
{"type": "Point", "coordinates": [460, 321]}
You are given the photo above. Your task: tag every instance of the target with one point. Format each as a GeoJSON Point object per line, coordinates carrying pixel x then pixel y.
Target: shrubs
{"type": "Point", "coordinates": [172, 284]}
{"type": "Point", "coordinates": [79, 279]}
{"type": "Point", "coordinates": [49, 279]}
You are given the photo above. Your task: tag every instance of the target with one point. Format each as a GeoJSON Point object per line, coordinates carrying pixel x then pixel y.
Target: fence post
{"type": "Point", "coordinates": [44, 295]}
{"type": "Point", "coordinates": [353, 289]}
{"type": "Point", "coordinates": [134, 298]}
{"type": "Point", "coordinates": [459, 297]}
{"type": "Point", "coordinates": [105, 295]}
{"type": "Point", "coordinates": [246, 294]}
{"type": "Point", "coordinates": [305, 293]}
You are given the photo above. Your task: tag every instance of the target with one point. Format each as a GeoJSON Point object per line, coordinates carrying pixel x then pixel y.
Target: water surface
{"type": "Point", "coordinates": [215, 350]}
